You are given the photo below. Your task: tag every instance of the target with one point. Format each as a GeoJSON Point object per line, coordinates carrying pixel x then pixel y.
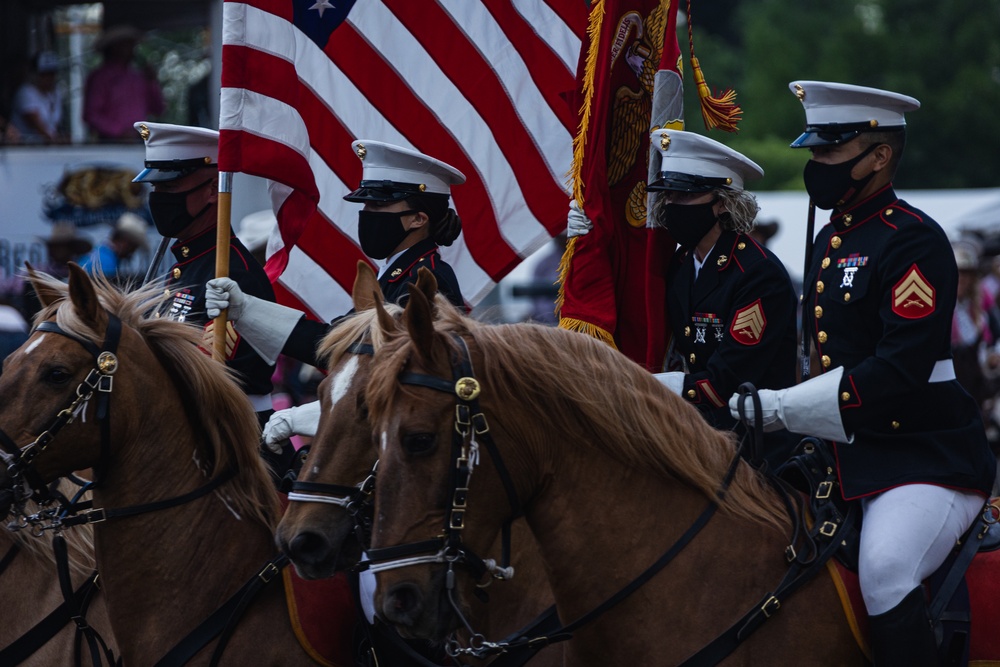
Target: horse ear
{"type": "Point", "coordinates": [83, 295]}
{"type": "Point", "coordinates": [366, 292]}
{"type": "Point", "coordinates": [45, 294]}
{"type": "Point", "coordinates": [427, 283]}
{"type": "Point", "coordinates": [419, 315]}
{"type": "Point", "coordinates": [385, 321]}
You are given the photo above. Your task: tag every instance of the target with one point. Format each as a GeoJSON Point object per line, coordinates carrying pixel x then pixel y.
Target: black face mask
{"type": "Point", "coordinates": [381, 232]}
{"type": "Point", "coordinates": [169, 210]}
{"type": "Point", "coordinates": [689, 224]}
{"type": "Point", "coordinates": [831, 185]}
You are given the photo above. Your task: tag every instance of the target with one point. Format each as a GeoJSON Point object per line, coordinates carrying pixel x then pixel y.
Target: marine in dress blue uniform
{"type": "Point", "coordinates": [405, 218]}
{"type": "Point", "coordinates": [182, 166]}
{"type": "Point", "coordinates": [730, 301]}
{"type": "Point", "coordinates": [909, 442]}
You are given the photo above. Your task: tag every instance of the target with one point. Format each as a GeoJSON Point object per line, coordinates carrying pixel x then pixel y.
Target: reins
{"type": "Point", "coordinates": [470, 424]}
{"type": "Point", "coordinates": [223, 621]}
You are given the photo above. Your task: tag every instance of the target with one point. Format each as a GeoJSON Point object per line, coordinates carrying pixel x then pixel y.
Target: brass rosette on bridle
{"type": "Point", "coordinates": [107, 363]}
{"type": "Point", "coordinates": [467, 388]}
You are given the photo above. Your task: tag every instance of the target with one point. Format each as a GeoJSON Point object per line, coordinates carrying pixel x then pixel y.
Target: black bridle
{"type": "Point", "coordinates": [222, 623]}
{"type": "Point", "coordinates": [99, 380]}
{"type": "Point", "coordinates": [471, 428]}
{"type": "Point", "coordinates": [352, 498]}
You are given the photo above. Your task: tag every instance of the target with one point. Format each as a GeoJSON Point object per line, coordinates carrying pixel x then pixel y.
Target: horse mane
{"type": "Point", "coordinates": [362, 325]}
{"type": "Point", "coordinates": [594, 395]}
{"type": "Point", "coordinates": [79, 540]}
{"type": "Point", "coordinates": [223, 415]}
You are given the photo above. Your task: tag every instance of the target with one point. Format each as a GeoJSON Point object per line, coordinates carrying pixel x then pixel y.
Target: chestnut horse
{"type": "Point", "coordinates": [29, 588]}
{"type": "Point", "coordinates": [176, 424]}
{"type": "Point", "coordinates": [610, 469]}
{"type": "Point", "coordinates": [320, 537]}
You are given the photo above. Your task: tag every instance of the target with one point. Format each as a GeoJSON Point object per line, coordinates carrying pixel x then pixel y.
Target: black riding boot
{"type": "Point", "coordinates": [903, 636]}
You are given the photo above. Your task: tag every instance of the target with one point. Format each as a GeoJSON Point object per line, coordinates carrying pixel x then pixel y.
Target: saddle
{"type": "Point", "coordinates": [965, 581]}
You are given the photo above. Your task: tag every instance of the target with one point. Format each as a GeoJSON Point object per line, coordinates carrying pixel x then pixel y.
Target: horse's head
{"type": "Point", "coordinates": [331, 499]}
{"type": "Point", "coordinates": [429, 431]}
{"type": "Point", "coordinates": [52, 386]}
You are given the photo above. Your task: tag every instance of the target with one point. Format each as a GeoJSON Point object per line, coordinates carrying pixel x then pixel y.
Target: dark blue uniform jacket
{"type": "Point", "coordinates": [307, 334]}
{"type": "Point", "coordinates": [882, 291]}
{"type": "Point", "coordinates": [734, 324]}
{"type": "Point", "coordinates": [186, 280]}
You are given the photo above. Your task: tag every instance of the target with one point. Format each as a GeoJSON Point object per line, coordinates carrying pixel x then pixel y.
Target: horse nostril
{"type": "Point", "coordinates": [309, 548]}
{"type": "Point", "coordinates": [403, 604]}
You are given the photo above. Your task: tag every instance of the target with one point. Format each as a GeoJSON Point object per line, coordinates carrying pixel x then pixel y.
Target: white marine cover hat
{"type": "Point", "coordinates": [173, 151]}
{"type": "Point", "coordinates": [690, 162]}
{"type": "Point", "coordinates": [393, 173]}
{"type": "Point", "coordinates": [839, 112]}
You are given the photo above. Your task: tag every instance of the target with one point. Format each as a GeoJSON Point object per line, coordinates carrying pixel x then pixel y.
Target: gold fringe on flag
{"type": "Point", "coordinates": [718, 112]}
{"type": "Point", "coordinates": [576, 181]}
{"type": "Point", "coordinates": [591, 330]}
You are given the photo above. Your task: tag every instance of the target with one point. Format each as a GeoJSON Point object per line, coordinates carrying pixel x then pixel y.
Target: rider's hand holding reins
{"type": "Point", "coordinates": [810, 408]}
{"type": "Point", "coordinates": [283, 424]}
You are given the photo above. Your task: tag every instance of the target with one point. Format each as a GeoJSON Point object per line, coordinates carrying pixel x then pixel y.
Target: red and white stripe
{"type": "Point", "coordinates": [484, 85]}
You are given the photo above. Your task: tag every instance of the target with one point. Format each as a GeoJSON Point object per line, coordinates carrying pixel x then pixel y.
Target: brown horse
{"type": "Point", "coordinates": [176, 421]}
{"type": "Point", "coordinates": [610, 468]}
{"type": "Point", "coordinates": [320, 537]}
{"type": "Point", "coordinates": [29, 588]}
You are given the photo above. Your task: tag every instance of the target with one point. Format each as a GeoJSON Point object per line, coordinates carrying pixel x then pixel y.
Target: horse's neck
{"type": "Point", "coordinates": [600, 524]}
{"type": "Point", "coordinates": [170, 567]}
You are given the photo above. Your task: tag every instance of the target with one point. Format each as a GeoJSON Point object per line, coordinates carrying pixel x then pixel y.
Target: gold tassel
{"type": "Point", "coordinates": [718, 112]}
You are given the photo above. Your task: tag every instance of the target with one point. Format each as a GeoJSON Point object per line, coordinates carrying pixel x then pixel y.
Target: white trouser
{"type": "Point", "coordinates": [906, 533]}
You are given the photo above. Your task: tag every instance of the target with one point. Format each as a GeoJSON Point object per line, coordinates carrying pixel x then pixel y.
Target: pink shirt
{"type": "Point", "coordinates": [116, 97]}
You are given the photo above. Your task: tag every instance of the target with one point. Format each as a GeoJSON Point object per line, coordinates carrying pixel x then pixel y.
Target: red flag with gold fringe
{"type": "Point", "coordinates": [605, 277]}
{"type": "Point", "coordinates": [613, 279]}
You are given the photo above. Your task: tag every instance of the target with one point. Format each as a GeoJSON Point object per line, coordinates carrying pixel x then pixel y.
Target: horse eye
{"type": "Point", "coordinates": [58, 376]}
{"type": "Point", "coordinates": [419, 443]}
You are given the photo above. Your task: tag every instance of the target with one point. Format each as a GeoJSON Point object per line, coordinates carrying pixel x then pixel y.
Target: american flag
{"type": "Point", "coordinates": [484, 85]}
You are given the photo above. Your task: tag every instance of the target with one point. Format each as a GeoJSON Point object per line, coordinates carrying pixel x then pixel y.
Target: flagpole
{"type": "Point", "coordinates": [222, 257]}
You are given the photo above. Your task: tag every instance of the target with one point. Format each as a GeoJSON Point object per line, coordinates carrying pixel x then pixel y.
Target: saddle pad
{"type": "Point", "coordinates": [984, 597]}
{"type": "Point", "coordinates": [323, 616]}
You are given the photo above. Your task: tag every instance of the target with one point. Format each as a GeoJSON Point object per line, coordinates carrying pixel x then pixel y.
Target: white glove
{"type": "Point", "coordinates": [283, 424]}
{"type": "Point", "coordinates": [577, 223]}
{"type": "Point", "coordinates": [673, 381]}
{"type": "Point", "coordinates": [222, 293]}
{"type": "Point", "coordinates": [810, 408]}
{"type": "Point", "coordinates": [265, 325]}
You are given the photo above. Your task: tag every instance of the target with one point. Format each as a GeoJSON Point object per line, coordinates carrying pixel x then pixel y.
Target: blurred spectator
{"type": "Point", "coordinates": [975, 329]}
{"type": "Point", "coordinates": [764, 231]}
{"type": "Point", "coordinates": [127, 236]}
{"type": "Point", "coordinates": [37, 107]}
{"type": "Point", "coordinates": [64, 245]}
{"type": "Point", "coordinates": [118, 94]}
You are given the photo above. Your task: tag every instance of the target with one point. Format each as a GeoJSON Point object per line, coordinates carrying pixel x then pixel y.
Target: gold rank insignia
{"type": "Point", "coordinates": [395, 273]}
{"type": "Point", "coordinates": [232, 338]}
{"type": "Point", "coordinates": [913, 297]}
{"type": "Point", "coordinates": [748, 324]}
{"type": "Point", "coordinates": [722, 260]}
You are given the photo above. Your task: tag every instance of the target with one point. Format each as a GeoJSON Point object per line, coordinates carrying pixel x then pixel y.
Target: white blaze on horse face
{"type": "Point", "coordinates": [342, 381]}
{"type": "Point", "coordinates": [385, 440]}
{"type": "Point", "coordinates": [37, 342]}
